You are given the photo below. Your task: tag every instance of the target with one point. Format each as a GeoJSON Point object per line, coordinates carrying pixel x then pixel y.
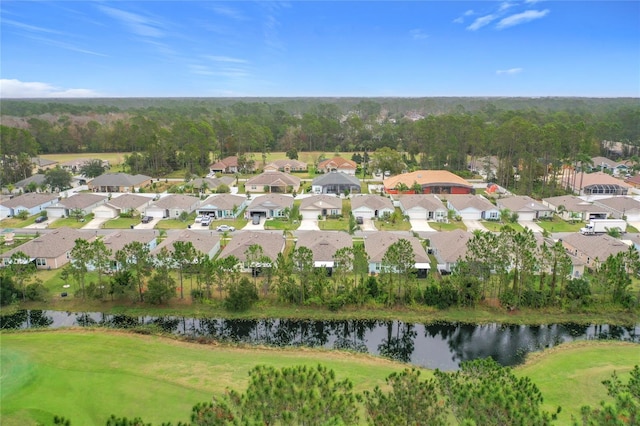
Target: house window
{"type": "Point", "coordinates": [41, 262]}
{"type": "Point", "coordinates": [377, 266]}
{"type": "Point", "coordinates": [493, 215]}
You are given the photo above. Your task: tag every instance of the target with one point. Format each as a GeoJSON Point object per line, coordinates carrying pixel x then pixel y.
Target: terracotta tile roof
{"type": "Point", "coordinates": [337, 163]}
{"type": "Point", "coordinates": [425, 177]}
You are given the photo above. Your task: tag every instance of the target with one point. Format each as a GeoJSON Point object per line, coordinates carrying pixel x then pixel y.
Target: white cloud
{"type": "Point", "coordinates": [136, 23]}
{"type": "Point", "coordinates": [27, 27]}
{"type": "Point", "coordinates": [225, 59]}
{"type": "Point", "coordinates": [510, 71]}
{"type": "Point", "coordinates": [418, 34]}
{"type": "Point", "coordinates": [229, 13]}
{"type": "Point", "coordinates": [521, 18]}
{"type": "Point", "coordinates": [12, 88]}
{"type": "Point", "coordinates": [481, 22]}
{"type": "Point", "coordinates": [460, 19]}
{"type": "Point", "coordinates": [505, 5]}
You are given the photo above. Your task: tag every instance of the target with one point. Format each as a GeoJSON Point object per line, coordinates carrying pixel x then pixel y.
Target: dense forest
{"type": "Point", "coordinates": [534, 136]}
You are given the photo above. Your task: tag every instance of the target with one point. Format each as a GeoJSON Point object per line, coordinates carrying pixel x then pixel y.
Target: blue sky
{"type": "Point", "coordinates": [323, 48]}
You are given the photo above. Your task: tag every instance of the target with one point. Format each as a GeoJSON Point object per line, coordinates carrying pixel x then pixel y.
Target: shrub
{"type": "Point", "coordinates": [241, 296]}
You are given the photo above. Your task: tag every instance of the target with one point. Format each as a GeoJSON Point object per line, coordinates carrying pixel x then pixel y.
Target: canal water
{"type": "Point", "coordinates": [442, 345]}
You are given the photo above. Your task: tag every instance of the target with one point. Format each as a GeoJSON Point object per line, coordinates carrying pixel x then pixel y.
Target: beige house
{"type": "Point", "coordinates": [320, 205]}
{"type": "Point", "coordinates": [592, 250]}
{"type": "Point", "coordinates": [172, 206]}
{"type": "Point", "coordinates": [324, 245]}
{"type": "Point", "coordinates": [119, 182]}
{"type": "Point", "coordinates": [376, 245]}
{"type": "Point", "coordinates": [271, 243]}
{"type": "Point", "coordinates": [51, 250]}
{"type": "Point", "coordinates": [286, 165]}
{"type": "Point", "coordinates": [204, 242]}
{"type": "Point", "coordinates": [273, 181]}
{"type": "Point", "coordinates": [83, 202]}
{"type": "Point", "coordinates": [338, 164]}
{"type": "Point", "coordinates": [449, 248]}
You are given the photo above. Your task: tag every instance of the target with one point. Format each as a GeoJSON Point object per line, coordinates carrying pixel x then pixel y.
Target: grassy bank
{"type": "Point", "coordinates": [86, 375]}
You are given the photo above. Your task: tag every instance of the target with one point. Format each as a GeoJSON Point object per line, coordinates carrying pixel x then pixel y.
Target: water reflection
{"type": "Point", "coordinates": [441, 345]}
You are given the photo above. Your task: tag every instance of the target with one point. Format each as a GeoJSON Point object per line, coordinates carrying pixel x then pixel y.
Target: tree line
{"type": "Point", "coordinates": [509, 266]}
{"type": "Point", "coordinates": [480, 393]}
{"type": "Point", "coordinates": [537, 142]}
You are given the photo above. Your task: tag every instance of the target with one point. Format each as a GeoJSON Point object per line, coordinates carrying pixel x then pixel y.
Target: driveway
{"type": "Point", "coordinates": [474, 225]}
{"type": "Point", "coordinates": [149, 225]}
{"type": "Point", "coordinates": [43, 225]}
{"type": "Point", "coordinates": [368, 225]}
{"type": "Point", "coordinates": [96, 223]}
{"type": "Point", "coordinates": [251, 227]}
{"type": "Point", "coordinates": [531, 225]}
{"type": "Point", "coordinates": [309, 225]}
{"type": "Point", "coordinates": [420, 225]}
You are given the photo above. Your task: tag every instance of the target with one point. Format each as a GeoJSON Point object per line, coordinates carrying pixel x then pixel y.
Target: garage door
{"type": "Point", "coordinates": [159, 213]}
{"type": "Point", "coordinates": [366, 214]}
{"type": "Point", "coordinates": [527, 216]}
{"type": "Point", "coordinates": [310, 214]}
{"type": "Point", "coordinates": [470, 215]}
{"type": "Point", "coordinates": [104, 214]}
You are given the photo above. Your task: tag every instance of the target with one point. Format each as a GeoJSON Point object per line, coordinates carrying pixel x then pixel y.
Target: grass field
{"type": "Point", "coordinates": [88, 375]}
{"type": "Point", "coordinates": [559, 225]}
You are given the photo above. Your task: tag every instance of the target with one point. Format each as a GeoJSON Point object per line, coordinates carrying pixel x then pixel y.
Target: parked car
{"type": "Point", "coordinates": [206, 221]}
{"type": "Point", "coordinates": [256, 219]}
{"type": "Point", "coordinates": [199, 219]}
{"type": "Point", "coordinates": [225, 228]}
{"type": "Point", "coordinates": [41, 219]}
{"type": "Point", "coordinates": [146, 219]}
{"type": "Point", "coordinates": [359, 220]}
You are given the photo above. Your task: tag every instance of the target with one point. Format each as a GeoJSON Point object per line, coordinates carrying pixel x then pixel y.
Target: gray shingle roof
{"type": "Point", "coordinates": [274, 178]}
{"type": "Point", "coordinates": [324, 244]}
{"type": "Point", "coordinates": [374, 202]}
{"type": "Point", "coordinates": [223, 201]}
{"type": "Point", "coordinates": [572, 203]}
{"type": "Point", "coordinates": [272, 243]}
{"type": "Point", "coordinates": [38, 178]}
{"type": "Point", "coordinates": [465, 201]}
{"type": "Point", "coordinates": [450, 246]}
{"type": "Point", "coordinates": [129, 201]}
{"type": "Point", "coordinates": [30, 200]}
{"type": "Point", "coordinates": [81, 201]}
{"type": "Point", "coordinates": [521, 203]}
{"type": "Point", "coordinates": [177, 201]}
{"type": "Point", "coordinates": [316, 202]}
{"type": "Point", "coordinates": [117, 240]}
{"type": "Point", "coordinates": [336, 178]}
{"type": "Point", "coordinates": [202, 241]}
{"type": "Point", "coordinates": [52, 244]}
{"type": "Point", "coordinates": [428, 202]}
{"type": "Point", "coordinates": [119, 179]}
{"type": "Point", "coordinates": [596, 246]}
{"type": "Point", "coordinates": [376, 245]}
{"type": "Point", "coordinates": [620, 204]}
{"type": "Point", "coordinates": [271, 201]}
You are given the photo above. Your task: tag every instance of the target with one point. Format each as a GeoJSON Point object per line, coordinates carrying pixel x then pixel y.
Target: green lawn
{"type": "Point", "coordinates": [559, 225]}
{"type": "Point", "coordinates": [70, 222]}
{"type": "Point", "coordinates": [451, 226]}
{"type": "Point", "coordinates": [571, 375]}
{"type": "Point", "coordinates": [174, 223]}
{"type": "Point", "coordinates": [400, 225]}
{"type": "Point", "coordinates": [18, 240]}
{"type": "Point", "coordinates": [497, 226]}
{"type": "Point", "coordinates": [334, 224]}
{"type": "Point", "coordinates": [121, 223]}
{"type": "Point", "coordinates": [14, 222]}
{"type": "Point", "coordinates": [238, 223]}
{"type": "Point", "coordinates": [87, 375]}
{"type": "Point", "coordinates": [281, 224]}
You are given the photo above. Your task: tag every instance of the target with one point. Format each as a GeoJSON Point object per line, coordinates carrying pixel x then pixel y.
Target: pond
{"type": "Point", "coordinates": [442, 345]}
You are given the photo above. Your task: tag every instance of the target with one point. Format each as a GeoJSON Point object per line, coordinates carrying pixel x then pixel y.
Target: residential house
{"type": "Point", "coordinates": [25, 185]}
{"type": "Point", "coordinates": [472, 207]}
{"type": "Point", "coordinates": [232, 164]}
{"type": "Point", "coordinates": [570, 207]}
{"type": "Point", "coordinates": [40, 163]}
{"type": "Point", "coordinates": [423, 207]}
{"type": "Point", "coordinates": [592, 250]}
{"type": "Point", "coordinates": [429, 181]}
{"type": "Point", "coordinates": [597, 183]}
{"type": "Point", "coordinates": [371, 206]}
{"type": "Point", "coordinates": [204, 242]}
{"type": "Point", "coordinates": [286, 165]}
{"type": "Point", "coordinates": [449, 248]}
{"type": "Point", "coordinates": [270, 205]}
{"type": "Point", "coordinates": [123, 204]}
{"type": "Point", "coordinates": [211, 184]}
{"type": "Point", "coordinates": [324, 245]}
{"type": "Point", "coordinates": [116, 241]}
{"type": "Point", "coordinates": [119, 182]}
{"type": "Point", "coordinates": [622, 207]}
{"type": "Point", "coordinates": [270, 242]}
{"type": "Point", "coordinates": [32, 202]}
{"type": "Point", "coordinates": [51, 250]}
{"type": "Point", "coordinates": [376, 245]}
{"type": "Point", "coordinates": [614, 167]}
{"type": "Point", "coordinates": [172, 206]}
{"type": "Point", "coordinates": [273, 181]}
{"type": "Point", "coordinates": [633, 181]}
{"type": "Point", "coordinates": [335, 183]}
{"type": "Point", "coordinates": [223, 206]}
{"type": "Point", "coordinates": [320, 205]}
{"type": "Point", "coordinates": [74, 166]}
{"type": "Point", "coordinates": [526, 207]}
{"type": "Point", "coordinates": [487, 167]}
{"type": "Point", "coordinates": [338, 164]}
{"type": "Point", "coordinates": [81, 202]}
